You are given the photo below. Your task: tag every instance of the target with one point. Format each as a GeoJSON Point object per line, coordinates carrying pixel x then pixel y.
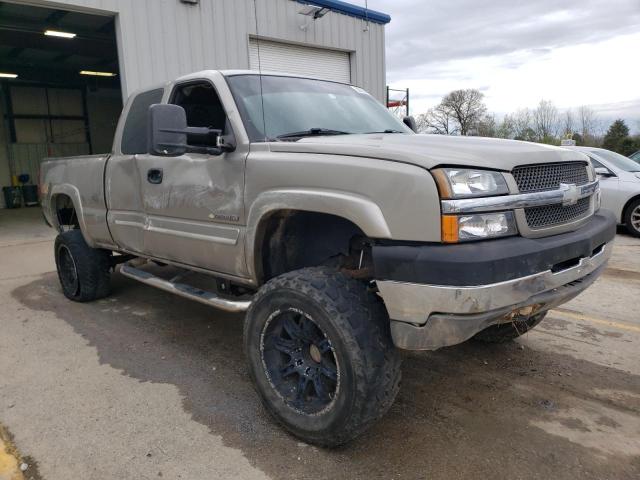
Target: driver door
{"type": "Point", "coordinates": [194, 202]}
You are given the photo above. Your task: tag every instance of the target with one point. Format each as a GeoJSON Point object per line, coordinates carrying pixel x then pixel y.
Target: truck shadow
{"type": "Point", "coordinates": [469, 411]}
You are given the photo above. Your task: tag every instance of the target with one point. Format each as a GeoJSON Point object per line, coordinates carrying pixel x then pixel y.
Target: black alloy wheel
{"type": "Point", "coordinates": [68, 272]}
{"type": "Point", "coordinates": [299, 361]}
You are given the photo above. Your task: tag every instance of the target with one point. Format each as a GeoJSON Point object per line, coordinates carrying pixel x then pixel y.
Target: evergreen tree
{"type": "Point", "coordinates": [614, 137]}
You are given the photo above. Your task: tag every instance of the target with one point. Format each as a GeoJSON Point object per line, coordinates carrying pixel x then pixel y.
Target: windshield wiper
{"type": "Point", "coordinates": [388, 130]}
{"type": "Point", "coordinates": [311, 132]}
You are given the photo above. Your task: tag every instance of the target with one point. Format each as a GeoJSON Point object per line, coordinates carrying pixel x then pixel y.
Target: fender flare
{"type": "Point", "coordinates": [359, 210]}
{"type": "Point", "coordinates": [74, 194]}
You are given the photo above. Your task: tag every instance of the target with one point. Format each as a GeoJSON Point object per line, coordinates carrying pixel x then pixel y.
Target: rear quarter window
{"type": "Point", "coordinates": [134, 135]}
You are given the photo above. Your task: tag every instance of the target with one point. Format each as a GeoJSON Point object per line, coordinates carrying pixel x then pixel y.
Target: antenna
{"type": "Point", "coordinates": [264, 121]}
{"type": "Point", "coordinates": [366, 15]}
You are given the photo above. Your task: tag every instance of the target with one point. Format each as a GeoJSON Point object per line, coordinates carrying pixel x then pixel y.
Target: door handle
{"type": "Point", "coordinates": [154, 175]}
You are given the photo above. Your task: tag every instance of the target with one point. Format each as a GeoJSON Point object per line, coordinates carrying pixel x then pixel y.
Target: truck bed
{"type": "Point", "coordinates": [82, 180]}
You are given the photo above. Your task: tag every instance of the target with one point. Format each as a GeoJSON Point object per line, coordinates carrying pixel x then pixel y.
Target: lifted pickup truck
{"type": "Point", "coordinates": [342, 234]}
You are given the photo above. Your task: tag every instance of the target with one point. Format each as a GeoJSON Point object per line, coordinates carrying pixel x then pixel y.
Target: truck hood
{"type": "Point", "coordinates": [429, 151]}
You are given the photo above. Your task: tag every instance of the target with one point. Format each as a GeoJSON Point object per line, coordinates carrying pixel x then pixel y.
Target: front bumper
{"type": "Point", "coordinates": [545, 274]}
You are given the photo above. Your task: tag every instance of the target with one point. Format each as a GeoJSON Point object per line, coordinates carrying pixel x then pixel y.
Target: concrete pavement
{"type": "Point", "coordinates": [147, 385]}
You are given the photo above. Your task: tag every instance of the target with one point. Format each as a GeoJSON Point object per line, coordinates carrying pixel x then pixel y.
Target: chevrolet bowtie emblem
{"type": "Point", "coordinates": [570, 194]}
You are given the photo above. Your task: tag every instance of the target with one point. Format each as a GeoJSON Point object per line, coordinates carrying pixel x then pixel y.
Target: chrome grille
{"type": "Point", "coordinates": [549, 176]}
{"type": "Point", "coordinates": [550, 215]}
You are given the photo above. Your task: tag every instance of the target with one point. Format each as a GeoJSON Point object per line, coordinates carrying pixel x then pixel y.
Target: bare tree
{"type": "Point", "coordinates": [507, 127]}
{"type": "Point", "coordinates": [422, 124]}
{"type": "Point", "coordinates": [587, 125]}
{"type": "Point", "coordinates": [522, 125]}
{"type": "Point", "coordinates": [439, 120]}
{"type": "Point", "coordinates": [466, 107]}
{"type": "Point", "coordinates": [568, 124]}
{"type": "Point", "coordinates": [545, 120]}
{"type": "Point", "coordinates": [486, 126]}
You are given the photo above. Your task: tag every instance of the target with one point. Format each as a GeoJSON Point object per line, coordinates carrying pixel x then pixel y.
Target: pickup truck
{"type": "Point", "coordinates": [343, 235]}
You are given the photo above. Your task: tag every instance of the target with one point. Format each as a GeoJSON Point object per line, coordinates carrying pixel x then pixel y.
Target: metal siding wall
{"type": "Point", "coordinates": [302, 60]}
{"type": "Point", "coordinates": [160, 40]}
{"type": "Point", "coordinates": [27, 156]}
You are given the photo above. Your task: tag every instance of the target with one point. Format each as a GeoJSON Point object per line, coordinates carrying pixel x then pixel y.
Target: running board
{"type": "Point", "coordinates": [187, 291]}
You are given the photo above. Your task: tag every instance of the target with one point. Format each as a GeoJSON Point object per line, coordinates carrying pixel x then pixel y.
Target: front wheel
{"type": "Point", "coordinates": [632, 218]}
{"type": "Point", "coordinates": [320, 354]}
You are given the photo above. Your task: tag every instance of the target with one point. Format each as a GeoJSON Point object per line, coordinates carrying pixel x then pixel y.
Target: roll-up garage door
{"type": "Point", "coordinates": [308, 61]}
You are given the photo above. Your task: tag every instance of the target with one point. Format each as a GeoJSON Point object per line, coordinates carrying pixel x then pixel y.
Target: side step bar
{"type": "Point", "coordinates": [187, 291]}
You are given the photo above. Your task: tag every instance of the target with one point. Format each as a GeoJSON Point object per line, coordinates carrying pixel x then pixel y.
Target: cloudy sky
{"type": "Point", "coordinates": [573, 52]}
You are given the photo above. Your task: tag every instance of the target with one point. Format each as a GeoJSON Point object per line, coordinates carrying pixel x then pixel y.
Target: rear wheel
{"type": "Point", "coordinates": [505, 332]}
{"type": "Point", "coordinates": [320, 354]}
{"type": "Point", "coordinates": [84, 272]}
{"type": "Point", "coordinates": [632, 218]}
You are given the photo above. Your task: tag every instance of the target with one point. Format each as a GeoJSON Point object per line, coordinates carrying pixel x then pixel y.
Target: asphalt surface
{"type": "Point", "coordinates": [148, 385]}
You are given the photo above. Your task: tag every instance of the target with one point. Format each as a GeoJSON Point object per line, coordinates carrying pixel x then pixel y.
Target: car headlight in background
{"type": "Point", "coordinates": [461, 228]}
{"type": "Point", "coordinates": [465, 183]}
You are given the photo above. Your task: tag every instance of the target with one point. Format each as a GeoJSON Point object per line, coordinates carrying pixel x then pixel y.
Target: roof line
{"type": "Point", "coordinates": [350, 9]}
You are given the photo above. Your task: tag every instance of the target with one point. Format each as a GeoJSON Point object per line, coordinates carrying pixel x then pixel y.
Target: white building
{"type": "Point", "coordinates": [74, 61]}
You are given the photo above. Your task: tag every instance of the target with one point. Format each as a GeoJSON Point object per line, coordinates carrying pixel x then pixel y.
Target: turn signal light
{"type": "Point", "coordinates": [450, 228]}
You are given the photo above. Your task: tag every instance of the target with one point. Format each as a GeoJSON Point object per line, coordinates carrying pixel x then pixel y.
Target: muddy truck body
{"type": "Point", "coordinates": [341, 233]}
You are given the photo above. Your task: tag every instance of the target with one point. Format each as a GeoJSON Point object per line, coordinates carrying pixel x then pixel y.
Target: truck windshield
{"type": "Point", "coordinates": [299, 107]}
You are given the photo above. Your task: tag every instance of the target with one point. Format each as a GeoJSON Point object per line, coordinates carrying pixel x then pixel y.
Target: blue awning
{"type": "Point", "coordinates": [350, 9]}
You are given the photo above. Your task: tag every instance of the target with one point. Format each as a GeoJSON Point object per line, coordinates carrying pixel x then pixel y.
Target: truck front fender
{"type": "Point", "coordinates": [359, 210]}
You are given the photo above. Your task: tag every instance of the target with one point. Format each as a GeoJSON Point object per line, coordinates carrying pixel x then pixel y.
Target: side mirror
{"type": "Point", "coordinates": [168, 133]}
{"type": "Point", "coordinates": [167, 130]}
{"type": "Point", "coordinates": [604, 172]}
{"type": "Point", "coordinates": [410, 122]}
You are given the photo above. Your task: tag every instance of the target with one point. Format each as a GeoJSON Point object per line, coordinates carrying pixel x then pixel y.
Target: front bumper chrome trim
{"type": "Point", "coordinates": [415, 303]}
{"type": "Point", "coordinates": [566, 194]}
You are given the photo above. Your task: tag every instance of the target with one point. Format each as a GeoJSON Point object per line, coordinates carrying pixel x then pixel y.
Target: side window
{"type": "Point", "coordinates": [134, 135]}
{"type": "Point", "coordinates": [596, 163]}
{"type": "Point", "coordinates": [203, 108]}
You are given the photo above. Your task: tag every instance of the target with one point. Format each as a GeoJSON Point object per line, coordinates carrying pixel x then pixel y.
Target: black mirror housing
{"type": "Point", "coordinates": [410, 122]}
{"type": "Point", "coordinates": [167, 135]}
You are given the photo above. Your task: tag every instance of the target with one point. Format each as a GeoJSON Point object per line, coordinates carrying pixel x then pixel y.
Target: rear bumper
{"type": "Point", "coordinates": [430, 315]}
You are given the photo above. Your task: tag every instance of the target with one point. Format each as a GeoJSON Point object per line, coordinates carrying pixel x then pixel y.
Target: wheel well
{"type": "Point", "coordinates": [626, 206]}
{"type": "Point", "coordinates": [65, 211]}
{"type": "Point", "coordinates": [291, 239]}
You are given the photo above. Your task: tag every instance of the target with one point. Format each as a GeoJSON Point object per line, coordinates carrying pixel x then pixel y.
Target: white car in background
{"type": "Point", "coordinates": [619, 183]}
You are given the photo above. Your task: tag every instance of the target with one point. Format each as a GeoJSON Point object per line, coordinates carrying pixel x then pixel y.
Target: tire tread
{"type": "Point", "coordinates": [376, 363]}
{"type": "Point", "coordinates": [627, 218]}
{"type": "Point", "coordinates": [92, 265]}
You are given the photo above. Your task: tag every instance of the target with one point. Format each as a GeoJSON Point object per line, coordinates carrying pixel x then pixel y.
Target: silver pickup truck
{"type": "Point", "coordinates": [343, 234]}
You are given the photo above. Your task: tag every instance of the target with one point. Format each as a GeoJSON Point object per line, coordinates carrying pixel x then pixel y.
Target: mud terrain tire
{"type": "Point", "coordinates": [321, 310]}
{"type": "Point", "coordinates": [84, 272]}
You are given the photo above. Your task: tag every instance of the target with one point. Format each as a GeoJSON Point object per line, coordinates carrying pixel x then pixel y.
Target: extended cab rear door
{"type": "Point", "coordinates": [126, 216]}
{"type": "Point", "coordinates": [194, 202]}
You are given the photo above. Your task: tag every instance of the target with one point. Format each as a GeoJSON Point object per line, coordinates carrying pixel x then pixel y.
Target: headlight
{"type": "Point", "coordinates": [463, 183]}
{"type": "Point", "coordinates": [461, 228]}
